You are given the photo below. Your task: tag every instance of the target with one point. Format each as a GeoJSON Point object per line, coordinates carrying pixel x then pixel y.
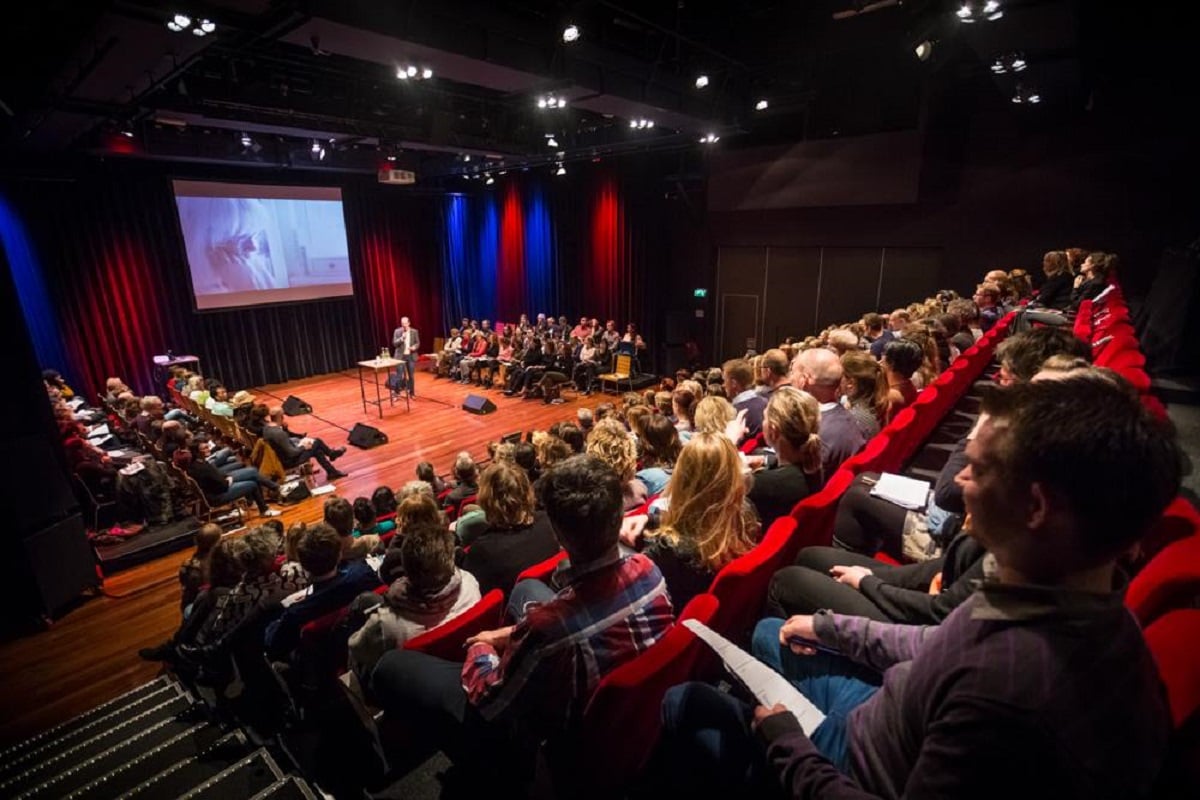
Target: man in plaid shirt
{"type": "Point", "coordinates": [538, 675]}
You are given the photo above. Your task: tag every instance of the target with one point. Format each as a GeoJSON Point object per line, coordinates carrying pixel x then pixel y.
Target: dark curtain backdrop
{"type": "Point", "coordinates": [112, 261]}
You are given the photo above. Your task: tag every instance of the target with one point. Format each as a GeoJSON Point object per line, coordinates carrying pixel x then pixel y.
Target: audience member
{"type": "Point", "coordinates": [339, 515]}
{"type": "Point", "coordinates": [660, 447]}
{"type": "Point", "coordinates": [901, 360]}
{"type": "Point", "coordinates": [739, 387]}
{"type": "Point", "coordinates": [294, 451]}
{"type": "Point", "coordinates": [1040, 665]}
{"type": "Point", "coordinates": [819, 372]}
{"type": "Point", "coordinates": [191, 572]}
{"type": "Point", "coordinates": [518, 534]}
{"type": "Point", "coordinates": [538, 675]}
{"type": "Point", "coordinates": [791, 426]}
{"type": "Point", "coordinates": [864, 391]}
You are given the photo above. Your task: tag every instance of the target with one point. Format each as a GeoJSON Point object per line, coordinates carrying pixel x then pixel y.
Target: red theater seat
{"type": "Point", "coordinates": [1171, 580]}
{"type": "Point", "coordinates": [1172, 639]}
{"type": "Point", "coordinates": [448, 639]}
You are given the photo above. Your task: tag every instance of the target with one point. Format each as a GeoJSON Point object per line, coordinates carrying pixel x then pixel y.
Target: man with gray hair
{"type": "Point", "coordinates": [584, 415]}
{"type": "Point", "coordinates": [467, 476]}
{"type": "Point", "coordinates": [819, 372]}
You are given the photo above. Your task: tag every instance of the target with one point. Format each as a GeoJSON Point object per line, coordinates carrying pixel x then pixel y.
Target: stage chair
{"type": "Point", "coordinates": [203, 508]}
{"type": "Point", "coordinates": [95, 504]}
{"type": "Point", "coordinates": [623, 371]}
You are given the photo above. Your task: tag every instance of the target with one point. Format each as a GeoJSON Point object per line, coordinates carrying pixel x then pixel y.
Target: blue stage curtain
{"type": "Point", "coordinates": [36, 305]}
{"type": "Point", "coordinates": [541, 255]}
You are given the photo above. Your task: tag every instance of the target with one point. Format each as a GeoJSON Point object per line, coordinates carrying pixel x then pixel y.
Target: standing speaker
{"type": "Point", "coordinates": [477, 404]}
{"type": "Point", "coordinates": [366, 437]}
{"type": "Point", "coordinates": [294, 406]}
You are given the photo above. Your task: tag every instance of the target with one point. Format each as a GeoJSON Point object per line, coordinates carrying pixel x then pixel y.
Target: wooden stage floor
{"type": "Point", "coordinates": [89, 655]}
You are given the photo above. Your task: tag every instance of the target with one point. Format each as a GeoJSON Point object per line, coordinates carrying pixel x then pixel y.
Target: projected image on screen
{"type": "Point", "coordinates": [248, 245]}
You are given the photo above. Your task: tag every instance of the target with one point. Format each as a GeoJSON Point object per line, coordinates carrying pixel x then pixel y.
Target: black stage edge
{"type": "Point", "coordinates": [150, 544]}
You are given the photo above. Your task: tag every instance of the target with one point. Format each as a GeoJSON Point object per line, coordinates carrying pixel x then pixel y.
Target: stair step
{"type": "Point", "coordinates": [290, 788]}
{"type": "Point", "coordinates": [138, 744]}
{"type": "Point", "coordinates": [189, 744]}
{"type": "Point", "coordinates": [183, 776]}
{"type": "Point", "coordinates": [246, 778]}
{"type": "Point", "coordinates": [114, 716]}
{"type": "Point", "coordinates": [14, 752]}
{"type": "Point", "coordinates": [67, 760]}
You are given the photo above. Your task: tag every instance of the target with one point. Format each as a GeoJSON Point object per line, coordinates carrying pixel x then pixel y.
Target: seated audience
{"type": "Point", "coordinates": [1038, 666]}
{"type": "Point", "coordinates": [819, 373]}
{"type": "Point", "coordinates": [739, 387]}
{"type": "Point", "coordinates": [218, 488]}
{"type": "Point", "coordinates": [901, 360]}
{"type": "Point", "coordinates": [707, 523]}
{"type": "Point", "coordinates": [660, 447]}
{"type": "Point", "coordinates": [191, 572]}
{"type": "Point", "coordinates": [431, 591]}
{"type": "Point", "coordinates": [1055, 292]}
{"type": "Point", "coordinates": [610, 443]}
{"type": "Point", "coordinates": [262, 584]}
{"type": "Point", "coordinates": [713, 414]}
{"type": "Point", "coordinates": [1093, 277]}
{"type": "Point", "coordinates": [339, 515]}
{"type": "Point", "coordinates": [987, 298]}
{"type": "Point", "coordinates": [333, 584]}
{"type": "Point", "coordinates": [532, 680]}
{"type": "Point", "coordinates": [466, 475]}
{"type": "Point", "coordinates": [864, 391]}
{"type": "Point", "coordinates": [896, 323]}
{"type": "Point", "coordinates": [518, 534]}
{"type": "Point", "coordinates": [792, 427]}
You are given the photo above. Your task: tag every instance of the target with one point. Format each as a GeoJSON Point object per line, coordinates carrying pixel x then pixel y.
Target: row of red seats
{"type": "Point", "coordinates": [1105, 324]}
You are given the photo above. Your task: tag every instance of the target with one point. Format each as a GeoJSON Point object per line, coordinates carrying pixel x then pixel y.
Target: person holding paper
{"type": "Point", "coordinates": [1040, 684]}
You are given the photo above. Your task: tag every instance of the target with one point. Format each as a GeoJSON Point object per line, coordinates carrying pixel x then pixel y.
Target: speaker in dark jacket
{"type": "Point", "coordinates": [294, 406]}
{"type": "Point", "coordinates": [477, 404]}
{"type": "Point", "coordinates": [366, 437]}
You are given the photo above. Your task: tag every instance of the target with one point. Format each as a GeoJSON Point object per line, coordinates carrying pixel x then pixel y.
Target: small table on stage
{"type": "Point", "coordinates": [163, 363]}
{"type": "Point", "coordinates": [375, 366]}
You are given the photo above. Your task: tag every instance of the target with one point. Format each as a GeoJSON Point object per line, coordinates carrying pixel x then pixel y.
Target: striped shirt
{"type": "Point", "coordinates": [607, 613]}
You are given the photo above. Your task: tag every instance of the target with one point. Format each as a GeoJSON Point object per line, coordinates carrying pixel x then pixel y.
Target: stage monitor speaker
{"type": "Point", "coordinates": [477, 404]}
{"type": "Point", "coordinates": [294, 406]}
{"type": "Point", "coordinates": [366, 437]}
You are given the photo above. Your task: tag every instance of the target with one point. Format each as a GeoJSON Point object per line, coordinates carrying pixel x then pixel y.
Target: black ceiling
{"type": "Point", "coordinates": [287, 73]}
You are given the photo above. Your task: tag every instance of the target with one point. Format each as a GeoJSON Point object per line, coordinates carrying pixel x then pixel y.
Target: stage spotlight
{"type": "Point", "coordinates": [246, 140]}
{"type": "Point", "coordinates": [426, 73]}
{"type": "Point", "coordinates": [198, 31]}
{"type": "Point", "coordinates": [924, 50]}
{"type": "Point", "coordinates": [542, 102]}
{"type": "Point", "coordinates": [467, 157]}
{"type": "Point", "coordinates": [551, 101]}
{"type": "Point", "coordinates": [701, 81]}
{"type": "Point", "coordinates": [992, 10]}
{"type": "Point", "coordinates": [411, 70]}
{"type": "Point", "coordinates": [127, 133]}
{"type": "Point", "coordinates": [391, 158]}
{"type": "Point", "coordinates": [1026, 94]}
{"type": "Point", "coordinates": [709, 138]}
{"type": "Point", "coordinates": [552, 142]}
{"type": "Point", "coordinates": [207, 25]}
{"type": "Point", "coordinates": [1018, 64]}
{"type": "Point", "coordinates": [761, 105]}
{"type": "Point", "coordinates": [570, 33]}
{"type": "Point", "coordinates": [489, 180]}
{"type": "Point", "coordinates": [179, 22]}
{"type": "Point", "coordinates": [561, 169]}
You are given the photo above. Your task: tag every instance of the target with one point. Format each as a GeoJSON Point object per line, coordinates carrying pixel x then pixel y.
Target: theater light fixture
{"type": "Point", "coordinates": [179, 22]}
{"type": "Point", "coordinates": [923, 50]}
{"type": "Point", "coordinates": [207, 25]}
{"type": "Point", "coordinates": [973, 12]}
{"type": "Point", "coordinates": [551, 101]}
{"type": "Point", "coordinates": [761, 105]}
{"type": "Point", "coordinates": [701, 81]}
{"type": "Point", "coordinates": [552, 142]}
{"type": "Point", "coordinates": [317, 151]}
{"type": "Point", "coordinates": [709, 138]}
{"type": "Point", "coordinates": [641, 124]}
{"type": "Point", "coordinates": [1026, 95]}
{"type": "Point", "coordinates": [246, 140]}
{"type": "Point", "coordinates": [1011, 62]}
{"type": "Point", "coordinates": [570, 33]}
{"type": "Point", "coordinates": [489, 180]}
{"type": "Point", "coordinates": [561, 169]}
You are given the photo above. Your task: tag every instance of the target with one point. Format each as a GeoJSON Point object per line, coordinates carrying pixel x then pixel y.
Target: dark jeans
{"type": "Point", "coordinates": [866, 524]}
{"type": "Point", "coordinates": [240, 489]}
{"type": "Point", "coordinates": [709, 731]}
{"type": "Point", "coordinates": [408, 372]}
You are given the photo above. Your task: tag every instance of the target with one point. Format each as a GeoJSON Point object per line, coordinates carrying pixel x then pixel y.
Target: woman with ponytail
{"type": "Point", "coordinates": [790, 426]}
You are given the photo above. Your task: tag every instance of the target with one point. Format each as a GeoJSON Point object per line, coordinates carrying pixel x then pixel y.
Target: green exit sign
{"type": "Point", "coordinates": [700, 292]}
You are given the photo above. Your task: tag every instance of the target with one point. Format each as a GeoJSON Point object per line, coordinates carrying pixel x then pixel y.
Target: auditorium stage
{"type": "Point", "coordinates": [89, 655]}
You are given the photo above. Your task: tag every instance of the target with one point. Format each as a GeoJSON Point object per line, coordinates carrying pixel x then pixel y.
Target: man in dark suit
{"type": "Point", "coordinates": [407, 342]}
{"type": "Point", "coordinates": [292, 452]}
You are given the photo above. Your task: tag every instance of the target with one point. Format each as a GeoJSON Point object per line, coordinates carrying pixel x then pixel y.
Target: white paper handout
{"type": "Point", "coordinates": [99, 432]}
{"type": "Point", "coordinates": [767, 685]}
{"type": "Point", "coordinates": [901, 491]}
